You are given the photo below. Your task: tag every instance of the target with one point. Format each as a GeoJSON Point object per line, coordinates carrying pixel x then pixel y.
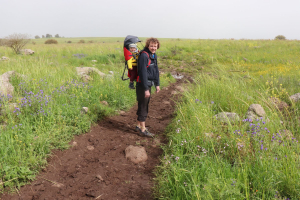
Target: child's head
{"type": "Point", "coordinates": [132, 48]}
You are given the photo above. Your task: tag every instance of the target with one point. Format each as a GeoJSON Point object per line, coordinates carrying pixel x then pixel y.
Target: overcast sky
{"type": "Point", "coordinates": [204, 19]}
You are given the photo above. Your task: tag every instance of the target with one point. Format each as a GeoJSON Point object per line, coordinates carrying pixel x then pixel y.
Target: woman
{"type": "Point", "coordinates": [148, 75]}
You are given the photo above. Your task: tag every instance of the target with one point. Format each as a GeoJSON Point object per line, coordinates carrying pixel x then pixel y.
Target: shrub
{"type": "Point", "coordinates": [81, 41]}
{"type": "Point", "coordinates": [91, 41]}
{"type": "Point", "coordinates": [16, 41]}
{"type": "Point", "coordinates": [51, 41]}
{"type": "Point", "coordinates": [33, 42]}
{"type": "Point", "coordinates": [1, 42]}
{"type": "Point", "coordinates": [69, 41]}
{"type": "Point", "coordinates": [37, 37]}
{"type": "Point", "coordinates": [280, 37]}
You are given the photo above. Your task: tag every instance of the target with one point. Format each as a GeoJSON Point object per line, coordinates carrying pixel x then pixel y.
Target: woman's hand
{"type": "Point", "coordinates": [157, 89]}
{"type": "Point", "coordinates": [147, 94]}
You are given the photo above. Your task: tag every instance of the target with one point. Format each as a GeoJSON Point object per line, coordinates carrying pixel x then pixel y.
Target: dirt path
{"type": "Point", "coordinates": [96, 167]}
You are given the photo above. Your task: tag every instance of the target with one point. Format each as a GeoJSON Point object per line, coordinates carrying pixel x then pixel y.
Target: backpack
{"type": "Point", "coordinates": [128, 55]}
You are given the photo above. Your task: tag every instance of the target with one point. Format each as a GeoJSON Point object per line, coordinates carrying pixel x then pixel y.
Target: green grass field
{"type": "Point", "coordinates": [207, 159]}
{"type": "Point", "coordinates": [230, 162]}
{"type": "Point", "coordinates": [49, 100]}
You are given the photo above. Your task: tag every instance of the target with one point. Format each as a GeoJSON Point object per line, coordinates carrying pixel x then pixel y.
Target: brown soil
{"type": "Point", "coordinates": [96, 167]}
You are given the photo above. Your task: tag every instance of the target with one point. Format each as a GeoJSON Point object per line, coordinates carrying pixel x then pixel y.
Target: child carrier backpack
{"type": "Point", "coordinates": [128, 55]}
{"type": "Point", "coordinates": [130, 39]}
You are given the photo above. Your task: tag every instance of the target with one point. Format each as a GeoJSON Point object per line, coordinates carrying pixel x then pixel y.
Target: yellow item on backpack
{"type": "Point", "coordinates": [132, 61]}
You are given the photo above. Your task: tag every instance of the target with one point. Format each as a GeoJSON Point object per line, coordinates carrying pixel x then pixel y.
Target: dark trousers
{"type": "Point", "coordinates": [143, 103]}
{"type": "Point", "coordinates": [133, 73]}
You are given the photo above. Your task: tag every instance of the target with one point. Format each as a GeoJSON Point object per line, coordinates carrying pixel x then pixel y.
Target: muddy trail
{"type": "Point", "coordinates": [95, 166]}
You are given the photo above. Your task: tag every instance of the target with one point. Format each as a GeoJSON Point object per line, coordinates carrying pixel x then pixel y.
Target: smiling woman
{"type": "Point", "coordinates": [148, 75]}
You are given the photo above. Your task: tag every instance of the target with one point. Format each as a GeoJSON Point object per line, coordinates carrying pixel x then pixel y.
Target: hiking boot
{"type": "Point", "coordinates": [131, 85]}
{"type": "Point", "coordinates": [146, 133]}
{"type": "Point", "coordinates": [138, 129]}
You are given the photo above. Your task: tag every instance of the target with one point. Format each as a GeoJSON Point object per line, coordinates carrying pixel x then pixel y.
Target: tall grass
{"type": "Point", "coordinates": [208, 159]}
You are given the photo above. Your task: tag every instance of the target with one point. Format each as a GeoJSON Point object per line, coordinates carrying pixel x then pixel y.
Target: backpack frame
{"type": "Point", "coordinates": [127, 54]}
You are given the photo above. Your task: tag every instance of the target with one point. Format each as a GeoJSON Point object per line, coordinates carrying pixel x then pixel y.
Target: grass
{"type": "Point", "coordinates": [207, 159]}
{"type": "Point", "coordinates": [204, 159]}
{"type": "Point", "coordinates": [48, 99]}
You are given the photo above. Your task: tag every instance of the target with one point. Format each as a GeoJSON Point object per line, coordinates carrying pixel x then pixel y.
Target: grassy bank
{"type": "Point", "coordinates": [207, 159]}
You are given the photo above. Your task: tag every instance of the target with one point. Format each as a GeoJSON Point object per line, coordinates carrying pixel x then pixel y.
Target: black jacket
{"type": "Point", "coordinates": [150, 73]}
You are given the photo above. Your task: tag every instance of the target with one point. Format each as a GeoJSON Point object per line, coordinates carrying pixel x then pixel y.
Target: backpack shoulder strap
{"type": "Point", "coordinates": [145, 53]}
{"type": "Point", "coordinates": [149, 62]}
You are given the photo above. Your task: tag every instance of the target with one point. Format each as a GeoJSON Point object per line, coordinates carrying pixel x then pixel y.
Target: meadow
{"type": "Point", "coordinates": [204, 159]}
{"type": "Point", "coordinates": [208, 159]}
{"type": "Point", "coordinates": [49, 98]}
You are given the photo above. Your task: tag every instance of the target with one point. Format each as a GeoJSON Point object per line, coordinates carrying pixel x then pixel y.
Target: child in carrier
{"type": "Point", "coordinates": [132, 64]}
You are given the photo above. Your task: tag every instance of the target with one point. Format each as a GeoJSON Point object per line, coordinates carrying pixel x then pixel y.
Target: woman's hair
{"type": "Point", "coordinates": [154, 40]}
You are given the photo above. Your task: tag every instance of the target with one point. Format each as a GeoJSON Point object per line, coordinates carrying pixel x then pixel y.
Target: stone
{"type": "Point", "coordinates": [281, 105]}
{"type": "Point", "coordinates": [91, 193]}
{"type": "Point", "coordinates": [4, 58]}
{"type": "Point", "coordinates": [74, 144]}
{"type": "Point", "coordinates": [156, 142]}
{"type": "Point", "coordinates": [26, 51]}
{"type": "Point", "coordinates": [56, 184]}
{"type": "Point", "coordinates": [295, 97]}
{"type": "Point", "coordinates": [173, 92]}
{"type": "Point", "coordinates": [227, 117]}
{"type": "Point", "coordinates": [104, 103]}
{"type": "Point", "coordinates": [99, 177]}
{"type": "Point", "coordinates": [166, 102]}
{"type": "Point", "coordinates": [111, 72]}
{"type": "Point", "coordinates": [255, 111]}
{"type": "Point", "coordinates": [179, 88]}
{"type": "Point", "coordinates": [136, 154]}
{"type": "Point", "coordinates": [84, 72]}
{"type": "Point", "coordinates": [177, 76]}
{"type": "Point", "coordinates": [6, 87]}
{"type": "Point", "coordinates": [86, 78]}
{"type": "Point", "coordinates": [84, 110]}
{"type": "Point", "coordinates": [123, 113]}
{"type": "Point", "coordinates": [90, 148]}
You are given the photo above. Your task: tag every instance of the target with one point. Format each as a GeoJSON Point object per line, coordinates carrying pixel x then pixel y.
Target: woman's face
{"type": "Point", "coordinates": [153, 47]}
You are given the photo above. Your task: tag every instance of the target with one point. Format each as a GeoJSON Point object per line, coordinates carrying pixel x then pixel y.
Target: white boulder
{"type": "Point", "coordinates": [84, 72]}
{"type": "Point", "coordinates": [26, 51]}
